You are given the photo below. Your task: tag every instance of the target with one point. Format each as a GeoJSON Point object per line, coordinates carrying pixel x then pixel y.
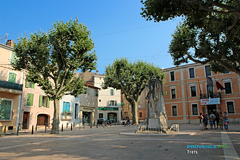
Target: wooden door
{"type": "Point", "coordinates": [42, 119]}
{"type": "Point", "coordinates": [25, 120]}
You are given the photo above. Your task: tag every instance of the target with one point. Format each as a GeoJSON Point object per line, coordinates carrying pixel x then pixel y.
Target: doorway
{"type": "Point", "coordinates": [112, 117]}
{"type": "Point", "coordinates": [25, 120]}
{"type": "Point", "coordinates": [42, 119]}
{"type": "Point", "coordinates": [211, 108]}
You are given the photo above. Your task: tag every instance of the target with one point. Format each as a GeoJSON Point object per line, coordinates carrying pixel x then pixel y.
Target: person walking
{"type": "Point", "coordinates": [201, 121]}
{"type": "Point", "coordinates": [225, 120]}
{"type": "Point", "coordinates": [217, 119]}
{"type": "Point", "coordinates": [206, 121]}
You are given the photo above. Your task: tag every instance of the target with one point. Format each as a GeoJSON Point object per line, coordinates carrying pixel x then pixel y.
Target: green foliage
{"type": "Point", "coordinates": [207, 34]}
{"type": "Point", "coordinates": [52, 58]}
{"type": "Point", "coordinates": [1, 110]}
{"type": "Point", "coordinates": [130, 77]}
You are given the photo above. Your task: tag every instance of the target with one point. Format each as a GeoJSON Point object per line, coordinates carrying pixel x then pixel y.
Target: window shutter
{"type": "Point", "coordinates": [32, 85]}
{"type": "Point", "coordinates": [12, 77]}
{"type": "Point", "coordinates": [32, 96]}
{"type": "Point", "coordinates": [115, 103]}
{"type": "Point", "coordinates": [48, 101]}
{"type": "Point", "coordinates": [109, 103]}
{"type": "Point", "coordinates": [28, 99]}
{"type": "Point", "coordinates": [64, 106]}
{"type": "Point", "coordinates": [27, 84]}
{"type": "Point", "coordinates": [40, 100]}
{"type": "Point", "coordinates": [68, 107]}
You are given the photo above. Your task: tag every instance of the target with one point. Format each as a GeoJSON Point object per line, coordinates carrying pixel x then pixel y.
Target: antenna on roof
{"type": "Point", "coordinates": [1, 38]}
{"type": "Point", "coordinates": [6, 36]}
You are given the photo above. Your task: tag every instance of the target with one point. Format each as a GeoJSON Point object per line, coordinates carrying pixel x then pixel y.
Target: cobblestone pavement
{"type": "Point", "coordinates": [107, 143]}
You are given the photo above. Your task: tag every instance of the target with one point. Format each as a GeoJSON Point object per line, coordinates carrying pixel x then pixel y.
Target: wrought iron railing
{"type": "Point", "coordinates": [10, 85]}
{"type": "Point", "coordinates": [210, 95]}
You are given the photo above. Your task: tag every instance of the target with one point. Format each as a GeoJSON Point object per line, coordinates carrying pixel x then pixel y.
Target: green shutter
{"type": "Point", "coordinates": [12, 77]}
{"type": "Point", "coordinates": [115, 103]}
{"type": "Point", "coordinates": [27, 84]}
{"type": "Point", "coordinates": [40, 100]}
{"type": "Point", "coordinates": [30, 99]}
{"type": "Point", "coordinates": [13, 58]}
{"type": "Point", "coordinates": [111, 92]}
{"type": "Point", "coordinates": [109, 103]}
{"type": "Point", "coordinates": [32, 85]}
{"type": "Point", "coordinates": [48, 101]}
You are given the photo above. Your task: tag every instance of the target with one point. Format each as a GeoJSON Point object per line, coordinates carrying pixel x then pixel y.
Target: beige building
{"type": "Point", "coordinates": [10, 89]}
{"type": "Point", "coordinates": [36, 108]}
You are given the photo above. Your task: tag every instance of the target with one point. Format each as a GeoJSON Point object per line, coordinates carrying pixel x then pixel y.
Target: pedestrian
{"type": "Point", "coordinates": [225, 120]}
{"type": "Point", "coordinates": [201, 121]}
{"type": "Point", "coordinates": [212, 120]}
{"type": "Point", "coordinates": [206, 121]}
{"type": "Point", "coordinates": [217, 119]}
{"type": "Point", "coordinates": [221, 120]}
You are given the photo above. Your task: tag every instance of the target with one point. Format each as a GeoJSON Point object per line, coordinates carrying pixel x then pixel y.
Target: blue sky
{"type": "Point", "coordinates": [116, 26]}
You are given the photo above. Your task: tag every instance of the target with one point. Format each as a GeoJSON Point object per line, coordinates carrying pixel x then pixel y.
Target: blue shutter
{"type": "Point", "coordinates": [64, 106]}
{"type": "Point", "coordinates": [68, 107]}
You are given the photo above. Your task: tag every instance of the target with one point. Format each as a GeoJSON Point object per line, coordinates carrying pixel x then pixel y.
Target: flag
{"type": "Point", "coordinates": [199, 87]}
{"type": "Point", "coordinates": [219, 86]}
{"type": "Point", "coordinates": [211, 82]}
{"type": "Point", "coordinates": [214, 83]}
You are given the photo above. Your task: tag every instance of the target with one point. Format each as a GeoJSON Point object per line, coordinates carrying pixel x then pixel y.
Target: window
{"type": "Point", "coordinates": [100, 115]}
{"type": "Point", "coordinates": [173, 93]}
{"type": "Point", "coordinates": [6, 110]}
{"type": "Point", "coordinates": [230, 107]}
{"type": "Point", "coordinates": [210, 91]}
{"type": "Point", "coordinates": [44, 101]}
{"type": "Point", "coordinates": [139, 106]}
{"type": "Point", "coordinates": [30, 97]}
{"type": "Point", "coordinates": [66, 106]}
{"type": "Point", "coordinates": [112, 103]}
{"type": "Point", "coordinates": [174, 110]}
{"type": "Point", "coordinates": [225, 72]}
{"type": "Point", "coordinates": [96, 93]}
{"type": "Point", "coordinates": [191, 72]}
{"type": "Point", "coordinates": [208, 71]}
{"type": "Point", "coordinates": [228, 87]}
{"type": "Point", "coordinates": [140, 114]}
{"type": "Point", "coordinates": [12, 77]}
{"type": "Point", "coordinates": [194, 109]}
{"type": "Point", "coordinates": [29, 84]}
{"type": "Point", "coordinates": [172, 76]}
{"type": "Point", "coordinates": [193, 91]}
{"type": "Point", "coordinates": [111, 92]}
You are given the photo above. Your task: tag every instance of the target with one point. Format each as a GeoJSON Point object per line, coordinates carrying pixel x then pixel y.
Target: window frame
{"type": "Point", "coordinates": [32, 99]}
{"type": "Point", "coordinates": [192, 109]}
{"type": "Point", "coordinates": [10, 110]}
{"type": "Point", "coordinates": [176, 110]}
{"type": "Point", "coordinates": [140, 114]}
{"type": "Point", "coordinates": [111, 92]}
{"type": "Point", "coordinates": [224, 83]}
{"type": "Point", "coordinates": [233, 107]}
{"type": "Point", "coordinates": [14, 73]}
{"type": "Point", "coordinates": [206, 71]}
{"type": "Point", "coordinates": [69, 106]}
{"type": "Point", "coordinates": [191, 90]}
{"type": "Point", "coordinates": [173, 88]}
{"type": "Point", "coordinates": [190, 73]}
{"type": "Point", "coordinates": [170, 74]}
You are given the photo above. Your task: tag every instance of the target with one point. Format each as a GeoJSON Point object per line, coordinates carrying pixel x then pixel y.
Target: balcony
{"type": "Point", "coordinates": [210, 95]}
{"type": "Point", "coordinates": [9, 86]}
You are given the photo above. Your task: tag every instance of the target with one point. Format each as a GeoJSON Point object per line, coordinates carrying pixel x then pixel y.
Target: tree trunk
{"type": "Point", "coordinates": [134, 112]}
{"type": "Point", "coordinates": [55, 125]}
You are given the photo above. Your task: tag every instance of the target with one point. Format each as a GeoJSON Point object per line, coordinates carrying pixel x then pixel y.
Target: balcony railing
{"type": "Point", "coordinates": [210, 95]}
{"type": "Point", "coordinates": [10, 85]}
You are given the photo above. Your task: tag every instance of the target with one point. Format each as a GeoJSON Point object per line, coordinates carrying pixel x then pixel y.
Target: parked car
{"type": "Point", "coordinates": [101, 120]}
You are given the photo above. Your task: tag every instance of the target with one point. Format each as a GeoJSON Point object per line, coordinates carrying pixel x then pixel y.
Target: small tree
{"type": "Point", "coordinates": [1, 110]}
{"type": "Point", "coordinates": [131, 79]}
{"type": "Point", "coordinates": [51, 60]}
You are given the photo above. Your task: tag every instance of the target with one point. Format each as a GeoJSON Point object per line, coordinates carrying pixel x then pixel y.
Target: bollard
{"type": "Point", "coordinates": [45, 127]}
{"type": "Point", "coordinates": [32, 129]}
{"type": "Point", "coordinates": [62, 127]}
{"type": "Point", "coordinates": [97, 125]}
{"type": "Point", "coordinates": [36, 127]}
{"type": "Point", "coordinates": [17, 130]}
{"type": "Point", "coordinates": [71, 126]}
{"type": "Point", "coordinates": [91, 125]}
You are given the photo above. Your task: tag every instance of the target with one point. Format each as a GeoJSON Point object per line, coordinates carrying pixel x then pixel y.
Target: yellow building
{"type": "Point", "coordinates": [10, 89]}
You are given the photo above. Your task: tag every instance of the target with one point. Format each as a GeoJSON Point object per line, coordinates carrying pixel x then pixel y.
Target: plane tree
{"type": "Point", "coordinates": [131, 78]}
{"type": "Point", "coordinates": [208, 33]}
{"type": "Point", "coordinates": [52, 58]}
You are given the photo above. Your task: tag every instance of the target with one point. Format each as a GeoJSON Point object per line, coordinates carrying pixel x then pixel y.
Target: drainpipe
{"type": "Point", "coordinates": [187, 94]}
{"type": "Point", "coordinates": [19, 100]}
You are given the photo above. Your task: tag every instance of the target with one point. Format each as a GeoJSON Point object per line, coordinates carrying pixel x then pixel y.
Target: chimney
{"type": "Point", "coordinates": [96, 71]}
{"type": "Point", "coordinates": [9, 43]}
